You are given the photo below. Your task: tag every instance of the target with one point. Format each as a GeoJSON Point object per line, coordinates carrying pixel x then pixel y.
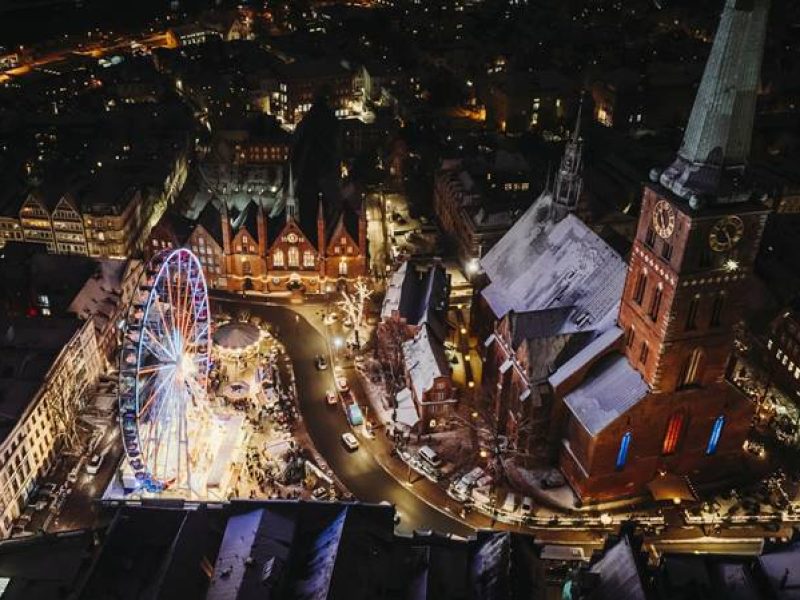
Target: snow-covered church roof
{"type": "Point", "coordinates": [612, 387]}
{"type": "Point", "coordinates": [540, 265]}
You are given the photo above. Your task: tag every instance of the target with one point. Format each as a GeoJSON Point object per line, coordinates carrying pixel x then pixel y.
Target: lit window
{"type": "Point", "coordinates": [277, 258]}
{"type": "Point", "coordinates": [690, 372]}
{"type": "Point", "coordinates": [308, 258]}
{"type": "Point", "coordinates": [673, 434]}
{"type": "Point", "coordinates": [622, 453]}
{"type": "Point", "coordinates": [294, 256]}
{"type": "Point", "coordinates": [716, 433]}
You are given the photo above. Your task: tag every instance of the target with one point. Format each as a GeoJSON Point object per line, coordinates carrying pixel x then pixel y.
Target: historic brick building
{"type": "Point", "coordinates": [249, 249]}
{"type": "Point", "coordinates": [661, 405]}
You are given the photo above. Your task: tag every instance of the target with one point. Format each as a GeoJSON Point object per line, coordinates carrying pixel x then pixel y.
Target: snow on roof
{"type": "Point", "coordinates": [237, 546]}
{"type": "Point", "coordinates": [619, 574]}
{"type": "Point", "coordinates": [425, 361]}
{"type": "Point", "coordinates": [100, 294]}
{"type": "Point", "coordinates": [611, 388]}
{"type": "Point", "coordinates": [391, 301]}
{"type": "Point", "coordinates": [517, 246]}
{"type": "Point", "coordinates": [406, 409]}
{"type": "Point", "coordinates": [598, 344]}
{"type": "Point", "coordinates": [564, 265]}
{"type": "Point", "coordinates": [322, 561]}
{"type": "Point", "coordinates": [780, 569]}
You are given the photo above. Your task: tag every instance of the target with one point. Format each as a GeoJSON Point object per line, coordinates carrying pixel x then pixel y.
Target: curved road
{"type": "Point", "coordinates": [359, 471]}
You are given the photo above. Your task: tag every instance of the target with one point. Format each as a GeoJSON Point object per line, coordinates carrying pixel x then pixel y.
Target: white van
{"type": "Point", "coordinates": [429, 455]}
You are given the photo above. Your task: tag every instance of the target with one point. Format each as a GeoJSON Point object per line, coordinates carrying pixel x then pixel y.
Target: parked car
{"type": "Point", "coordinates": [330, 397]}
{"type": "Point", "coordinates": [526, 506]}
{"type": "Point", "coordinates": [93, 466]}
{"type": "Point", "coordinates": [428, 455]}
{"type": "Point", "coordinates": [320, 493]}
{"type": "Point", "coordinates": [322, 364]}
{"type": "Point", "coordinates": [350, 442]}
{"type": "Point", "coordinates": [342, 385]}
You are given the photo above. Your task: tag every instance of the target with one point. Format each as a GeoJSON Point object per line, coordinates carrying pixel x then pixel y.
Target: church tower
{"type": "Point", "coordinates": [700, 224]}
{"type": "Point", "coordinates": [569, 180]}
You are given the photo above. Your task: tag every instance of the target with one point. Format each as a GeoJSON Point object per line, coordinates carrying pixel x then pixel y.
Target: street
{"type": "Point", "coordinates": [358, 470]}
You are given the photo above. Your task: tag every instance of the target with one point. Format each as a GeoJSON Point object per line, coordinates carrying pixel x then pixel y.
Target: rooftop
{"type": "Point", "coordinates": [611, 388]}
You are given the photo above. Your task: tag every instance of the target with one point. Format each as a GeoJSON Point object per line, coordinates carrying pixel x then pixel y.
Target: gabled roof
{"type": "Point", "coordinates": [619, 574]}
{"type": "Point", "coordinates": [418, 297]}
{"type": "Point", "coordinates": [246, 219]}
{"type": "Point", "coordinates": [211, 220]}
{"type": "Point", "coordinates": [555, 266]}
{"type": "Point", "coordinates": [611, 388]}
{"type": "Point", "coordinates": [425, 360]}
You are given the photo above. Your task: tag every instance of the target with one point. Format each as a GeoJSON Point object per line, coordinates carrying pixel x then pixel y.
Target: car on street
{"type": "Point", "coordinates": [350, 442]}
{"type": "Point", "coordinates": [330, 397]}
{"type": "Point", "coordinates": [93, 466]}
{"type": "Point", "coordinates": [322, 364]}
{"type": "Point", "coordinates": [342, 385]}
{"type": "Point", "coordinates": [526, 506]}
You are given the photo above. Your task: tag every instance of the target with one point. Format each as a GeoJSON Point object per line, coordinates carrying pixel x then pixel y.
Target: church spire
{"type": "Point", "coordinates": [569, 182]}
{"type": "Point", "coordinates": [291, 199]}
{"type": "Point", "coordinates": [716, 144]}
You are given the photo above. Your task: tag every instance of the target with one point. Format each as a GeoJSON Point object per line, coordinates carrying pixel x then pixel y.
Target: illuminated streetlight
{"type": "Point", "coordinates": [337, 342]}
{"type": "Point", "coordinates": [473, 266]}
{"type": "Point", "coordinates": [731, 265]}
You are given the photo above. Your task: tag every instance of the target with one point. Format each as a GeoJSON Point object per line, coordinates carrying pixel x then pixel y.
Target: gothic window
{"type": "Point", "coordinates": [277, 258]}
{"type": "Point", "coordinates": [644, 351]}
{"type": "Point", "coordinates": [308, 258]}
{"type": "Point", "coordinates": [655, 304]}
{"type": "Point", "coordinates": [673, 433]}
{"type": "Point", "coordinates": [294, 256]}
{"type": "Point", "coordinates": [246, 268]}
{"type": "Point", "coordinates": [690, 372]}
{"type": "Point", "coordinates": [641, 285]}
{"type": "Point", "coordinates": [622, 453]}
{"type": "Point", "coordinates": [666, 250]}
{"type": "Point", "coordinates": [691, 314]}
{"type": "Point", "coordinates": [629, 339]}
{"type": "Point", "coordinates": [716, 309]}
{"type": "Point", "coordinates": [716, 433]}
{"type": "Point", "coordinates": [343, 267]}
{"type": "Point", "coordinates": [650, 237]}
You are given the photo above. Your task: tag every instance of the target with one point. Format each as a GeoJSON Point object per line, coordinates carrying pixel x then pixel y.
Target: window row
{"type": "Point", "coordinates": [672, 435]}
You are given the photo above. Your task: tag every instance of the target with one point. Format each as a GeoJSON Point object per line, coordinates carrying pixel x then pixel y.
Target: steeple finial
{"type": "Point", "coordinates": [291, 200]}
{"type": "Point", "coordinates": [716, 144]}
{"type": "Point", "coordinates": [576, 134]}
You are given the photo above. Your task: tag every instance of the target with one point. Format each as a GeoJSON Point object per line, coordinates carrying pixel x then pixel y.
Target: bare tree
{"type": "Point", "coordinates": [353, 303]}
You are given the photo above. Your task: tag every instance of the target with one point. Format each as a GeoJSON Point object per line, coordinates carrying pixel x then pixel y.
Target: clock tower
{"type": "Point", "coordinates": [700, 225]}
{"type": "Point", "coordinates": [688, 273]}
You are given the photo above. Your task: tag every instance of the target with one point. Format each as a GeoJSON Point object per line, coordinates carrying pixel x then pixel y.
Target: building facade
{"type": "Point", "coordinates": [48, 365]}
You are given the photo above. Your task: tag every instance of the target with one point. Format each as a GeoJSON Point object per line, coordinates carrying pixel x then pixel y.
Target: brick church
{"type": "Point", "coordinates": [269, 245]}
{"type": "Point", "coordinates": [628, 368]}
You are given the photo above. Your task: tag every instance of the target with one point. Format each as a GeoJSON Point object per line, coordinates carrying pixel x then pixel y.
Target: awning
{"type": "Point", "coordinates": [670, 487]}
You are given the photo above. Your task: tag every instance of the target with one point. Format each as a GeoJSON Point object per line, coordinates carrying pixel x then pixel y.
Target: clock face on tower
{"type": "Point", "coordinates": [726, 233]}
{"type": "Point", "coordinates": [663, 219]}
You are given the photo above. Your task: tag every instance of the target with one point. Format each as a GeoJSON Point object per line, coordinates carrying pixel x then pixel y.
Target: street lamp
{"type": "Point", "coordinates": [337, 342]}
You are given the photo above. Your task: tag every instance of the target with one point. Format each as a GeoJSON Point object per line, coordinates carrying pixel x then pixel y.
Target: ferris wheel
{"type": "Point", "coordinates": [163, 370]}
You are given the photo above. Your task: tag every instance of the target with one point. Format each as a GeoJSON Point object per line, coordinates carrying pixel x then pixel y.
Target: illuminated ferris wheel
{"type": "Point", "coordinates": [163, 370]}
